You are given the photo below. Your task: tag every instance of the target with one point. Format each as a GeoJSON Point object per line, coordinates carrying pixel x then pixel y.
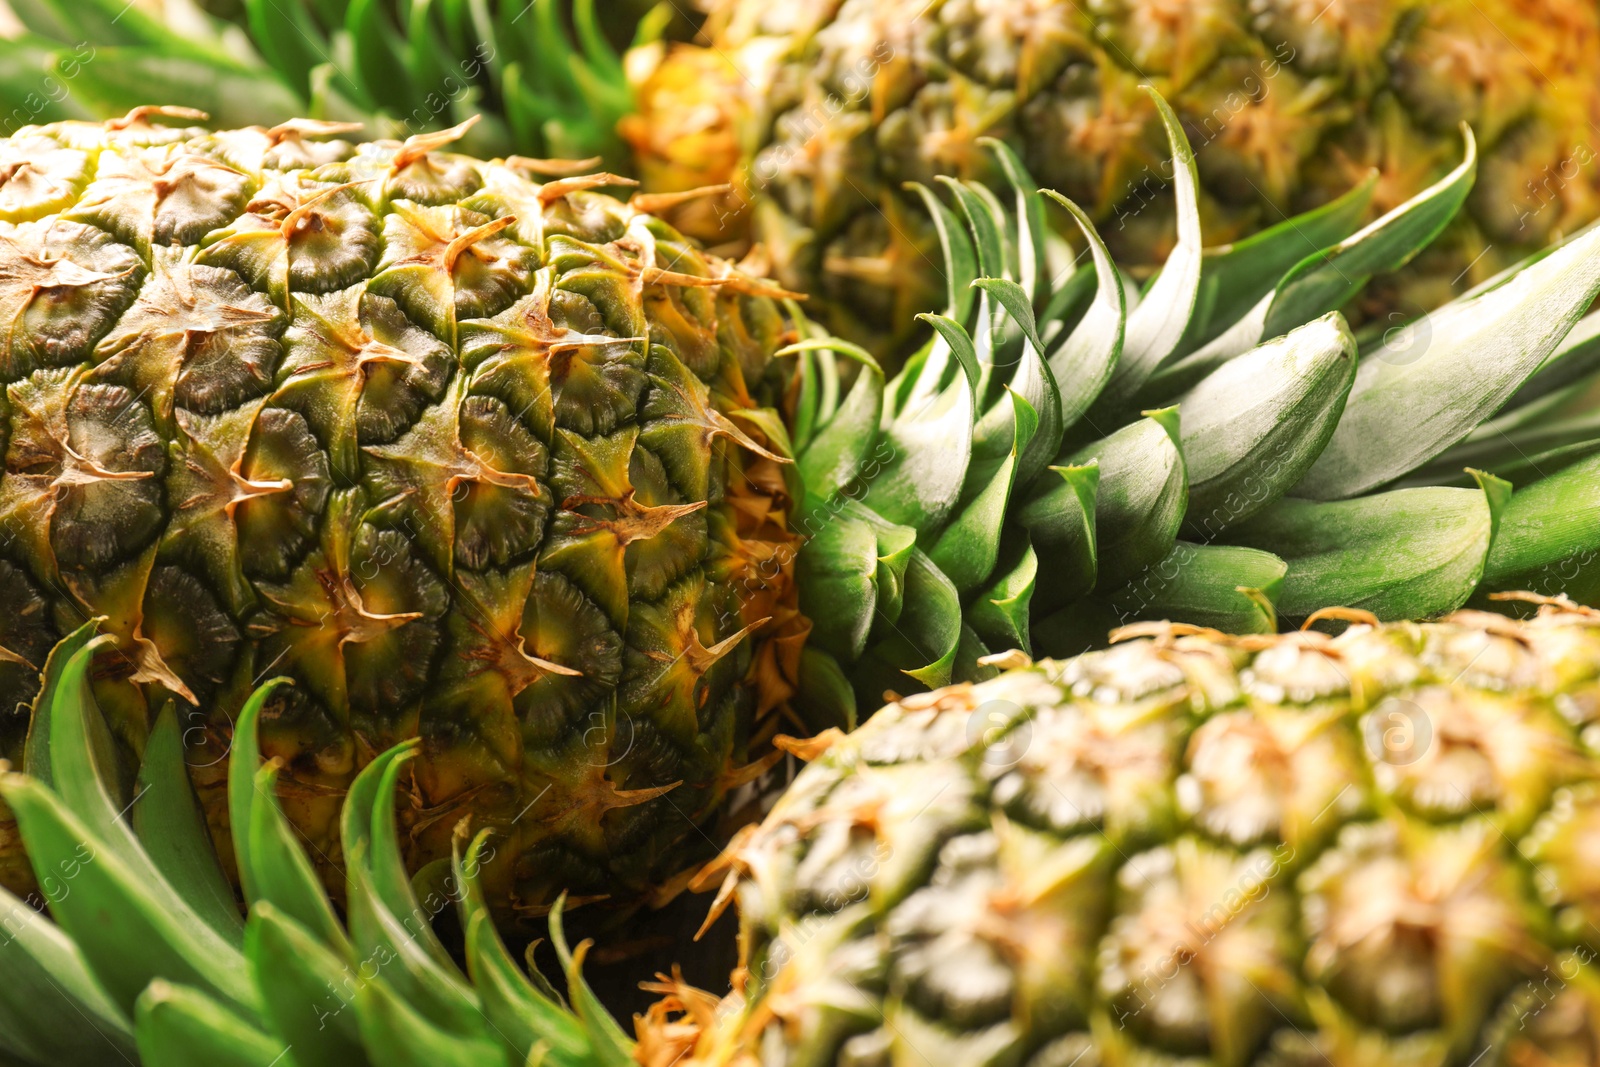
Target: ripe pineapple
{"type": "Point", "coordinates": [1374, 848]}
{"type": "Point", "coordinates": [469, 451]}
{"type": "Point", "coordinates": [1368, 849]}
{"type": "Point", "coordinates": [834, 104]}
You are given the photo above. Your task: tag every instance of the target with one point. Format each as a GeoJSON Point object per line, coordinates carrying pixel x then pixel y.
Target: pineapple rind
{"type": "Point", "coordinates": [447, 443]}
{"type": "Point", "coordinates": [1370, 848]}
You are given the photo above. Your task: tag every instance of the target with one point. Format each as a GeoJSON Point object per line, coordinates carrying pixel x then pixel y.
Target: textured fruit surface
{"type": "Point", "coordinates": [1375, 848]}
{"type": "Point", "coordinates": [466, 450]}
{"type": "Point", "coordinates": [1288, 103]}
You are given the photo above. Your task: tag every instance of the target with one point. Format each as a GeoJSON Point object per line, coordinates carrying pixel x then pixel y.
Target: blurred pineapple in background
{"type": "Point", "coordinates": [832, 105]}
{"type": "Point", "coordinates": [815, 113]}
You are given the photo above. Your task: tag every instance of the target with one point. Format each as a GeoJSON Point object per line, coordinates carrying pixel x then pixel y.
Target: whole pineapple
{"type": "Point", "coordinates": [1375, 848]}
{"type": "Point", "coordinates": [833, 104]}
{"type": "Point", "coordinates": [469, 452]}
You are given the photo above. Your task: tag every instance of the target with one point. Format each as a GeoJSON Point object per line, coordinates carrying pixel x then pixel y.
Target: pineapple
{"type": "Point", "coordinates": [834, 104]}
{"type": "Point", "coordinates": [469, 451]}
{"type": "Point", "coordinates": [1370, 848]}
{"type": "Point", "coordinates": [1366, 849]}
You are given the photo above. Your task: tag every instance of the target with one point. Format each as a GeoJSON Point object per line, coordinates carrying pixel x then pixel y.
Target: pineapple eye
{"type": "Point", "coordinates": [66, 285]}
{"type": "Point", "coordinates": [197, 338]}
{"type": "Point", "coordinates": [159, 196]}
{"type": "Point", "coordinates": [425, 267]}
{"type": "Point", "coordinates": [496, 523]}
{"type": "Point", "coordinates": [87, 462]}
{"type": "Point", "coordinates": [277, 526]}
{"type": "Point", "coordinates": [38, 177]}
{"type": "Point", "coordinates": [333, 246]}
{"type": "Point", "coordinates": [191, 632]}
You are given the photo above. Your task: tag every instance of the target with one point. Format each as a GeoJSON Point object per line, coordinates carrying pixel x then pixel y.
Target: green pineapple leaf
{"type": "Point", "coordinates": [1255, 425]}
{"type": "Point", "coordinates": [284, 875]}
{"type": "Point", "coordinates": [1225, 587]}
{"type": "Point", "coordinates": [923, 639]}
{"type": "Point", "coordinates": [1088, 357]}
{"type": "Point", "coordinates": [521, 1016]}
{"type": "Point", "coordinates": [52, 1008]}
{"type": "Point", "coordinates": [83, 764]}
{"type": "Point", "coordinates": [818, 380]}
{"type": "Point", "coordinates": [825, 699]}
{"type": "Point", "coordinates": [916, 379]}
{"type": "Point", "coordinates": [156, 933]}
{"type": "Point", "coordinates": [838, 569]}
{"type": "Point", "coordinates": [928, 445]}
{"type": "Point", "coordinates": [25, 66]}
{"type": "Point", "coordinates": [172, 829]}
{"type": "Point", "coordinates": [1523, 444]}
{"type": "Point", "coordinates": [38, 759]}
{"type": "Point", "coordinates": [181, 1026]}
{"type": "Point", "coordinates": [611, 1046]}
{"type": "Point", "coordinates": [1440, 377]}
{"type": "Point", "coordinates": [104, 24]}
{"type": "Point", "coordinates": [1143, 489]}
{"type": "Point", "coordinates": [966, 549]}
{"type": "Point", "coordinates": [1028, 221]}
{"type": "Point", "coordinates": [999, 615]}
{"type": "Point", "coordinates": [838, 449]}
{"type": "Point", "coordinates": [429, 63]}
{"type": "Point", "coordinates": [386, 921]}
{"type": "Point", "coordinates": [987, 230]}
{"type": "Point", "coordinates": [1409, 553]}
{"type": "Point", "coordinates": [377, 54]}
{"type": "Point", "coordinates": [1031, 380]}
{"type": "Point", "coordinates": [396, 1033]}
{"type": "Point", "coordinates": [230, 94]}
{"type": "Point", "coordinates": [1324, 280]}
{"type": "Point", "coordinates": [1546, 536]}
{"type": "Point", "coordinates": [1234, 277]}
{"type": "Point", "coordinates": [273, 868]}
{"type": "Point", "coordinates": [307, 989]}
{"type": "Point", "coordinates": [388, 866]}
{"type": "Point", "coordinates": [1575, 358]}
{"type": "Point", "coordinates": [289, 38]}
{"type": "Point", "coordinates": [1157, 325]}
{"type": "Point", "coordinates": [1059, 518]}
{"type": "Point", "coordinates": [895, 545]}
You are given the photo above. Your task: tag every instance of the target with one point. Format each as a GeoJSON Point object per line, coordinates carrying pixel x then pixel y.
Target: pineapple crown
{"type": "Point", "coordinates": [177, 978]}
{"type": "Point", "coordinates": [544, 74]}
{"type": "Point", "coordinates": [1068, 453]}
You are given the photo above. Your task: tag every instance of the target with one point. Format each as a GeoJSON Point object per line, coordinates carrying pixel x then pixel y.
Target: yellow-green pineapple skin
{"type": "Point", "coordinates": [830, 106]}
{"type": "Point", "coordinates": [1370, 849]}
{"type": "Point", "coordinates": [461, 447]}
